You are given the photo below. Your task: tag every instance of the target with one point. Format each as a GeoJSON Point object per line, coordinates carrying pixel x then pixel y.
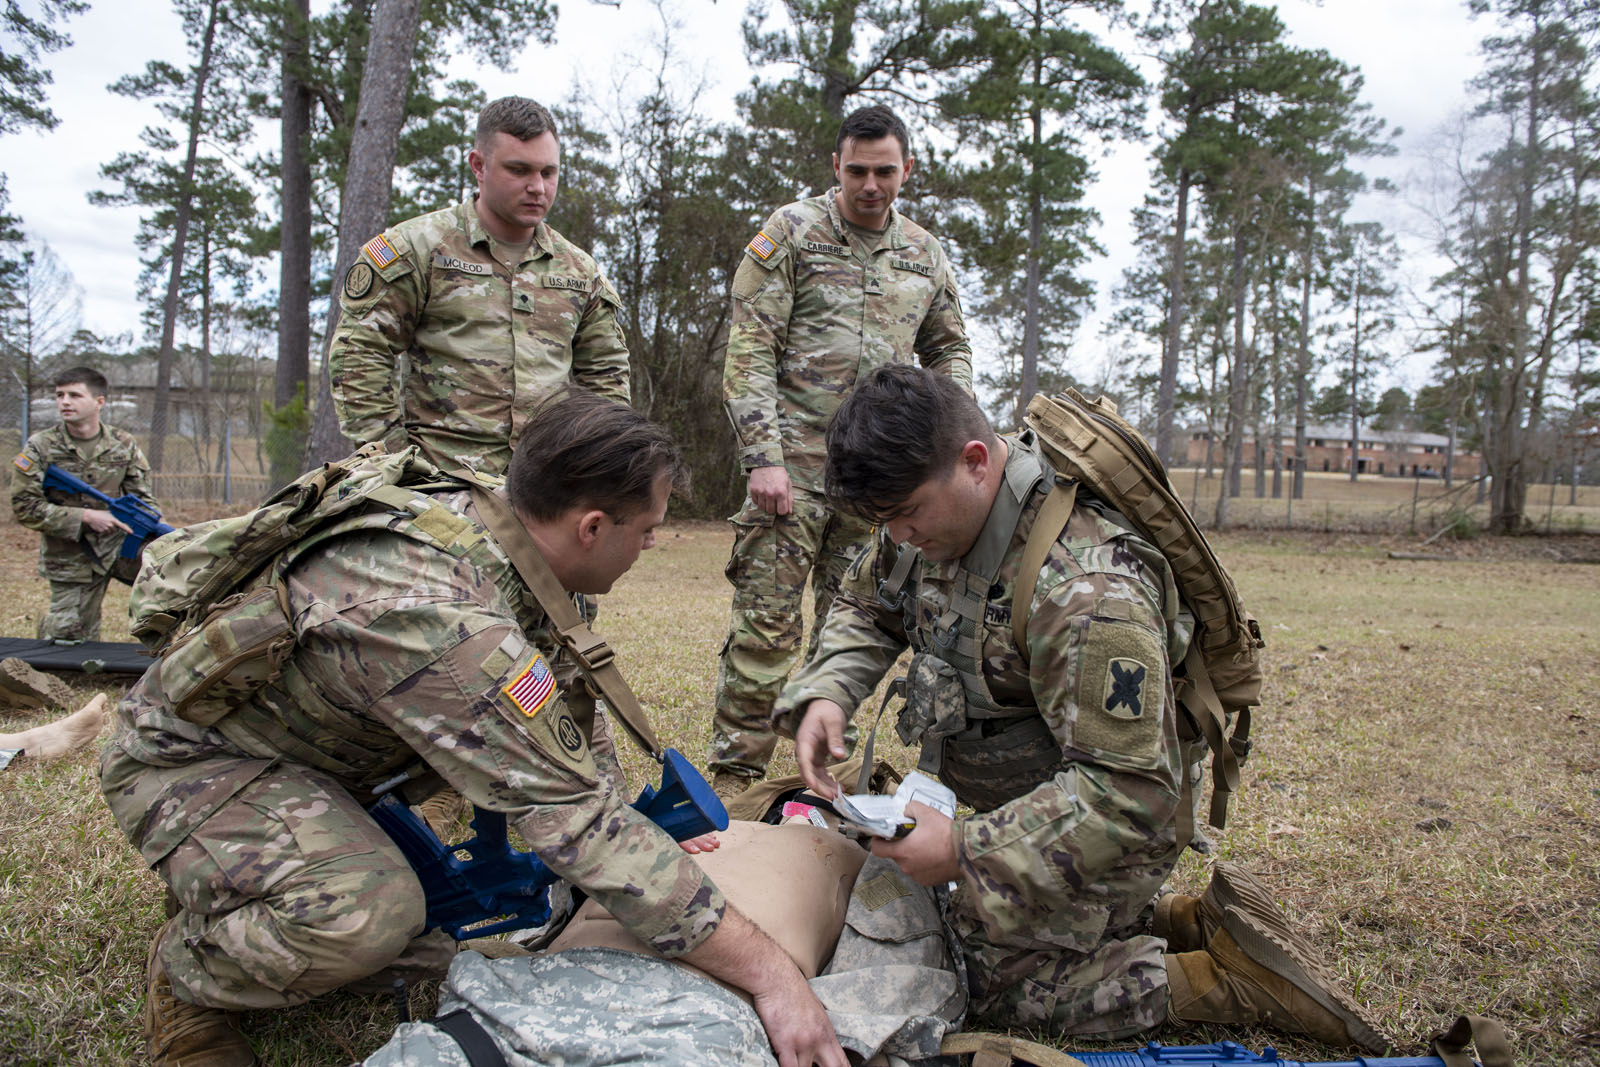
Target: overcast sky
{"type": "Point", "coordinates": [1416, 56]}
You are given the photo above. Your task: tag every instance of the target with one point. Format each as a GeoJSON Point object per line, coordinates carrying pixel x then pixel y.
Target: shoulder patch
{"type": "Point", "coordinates": [906, 264]}
{"type": "Point", "coordinates": [380, 251]}
{"type": "Point", "coordinates": [1120, 689]}
{"type": "Point", "coordinates": [762, 245]}
{"type": "Point", "coordinates": [358, 280]}
{"type": "Point", "coordinates": [529, 689]}
{"type": "Point", "coordinates": [22, 462]}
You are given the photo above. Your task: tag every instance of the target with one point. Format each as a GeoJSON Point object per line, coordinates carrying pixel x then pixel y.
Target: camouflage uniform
{"type": "Point", "coordinates": [476, 347]}
{"type": "Point", "coordinates": [1065, 853]}
{"type": "Point", "coordinates": [817, 304]}
{"type": "Point", "coordinates": [404, 652]}
{"type": "Point", "coordinates": [113, 463]}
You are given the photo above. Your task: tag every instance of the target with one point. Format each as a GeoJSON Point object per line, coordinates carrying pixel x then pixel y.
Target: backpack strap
{"type": "Point", "coordinates": [1047, 528]}
{"type": "Point", "coordinates": [1199, 700]}
{"type": "Point", "coordinates": [590, 650]}
{"type": "Point", "coordinates": [1488, 1034]}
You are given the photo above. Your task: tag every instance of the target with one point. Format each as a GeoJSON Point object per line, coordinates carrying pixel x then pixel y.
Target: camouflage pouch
{"type": "Point", "coordinates": [935, 708]}
{"type": "Point", "coordinates": [239, 647]}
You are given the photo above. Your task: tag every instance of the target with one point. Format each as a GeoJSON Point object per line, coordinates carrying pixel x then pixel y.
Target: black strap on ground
{"type": "Point", "coordinates": [90, 657]}
{"type": "Point", "coordinates": [466, 1031]}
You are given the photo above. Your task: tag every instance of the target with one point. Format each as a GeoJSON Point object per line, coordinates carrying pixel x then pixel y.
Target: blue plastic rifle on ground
{"type": "Point", "coordinates": [501, 883]}
{"type": "Point", "coordinates": [139, 517]}
{"type": "Point", "coordinates": [1233, 1054]}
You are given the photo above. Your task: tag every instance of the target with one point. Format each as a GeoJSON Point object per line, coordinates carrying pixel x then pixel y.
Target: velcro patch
{"type": "Point", "coordinates": [919, 268]}
{"type": "Point", "coordinates": [558, 281]}
{"type": "Point", "coordinates": [1119, 690]}
{"type": "Point", "coordinates": [380, 251]}
{"type": "Point", "coordinates": [762, 245]}
{"type": "Point", "coordinates": [529, 690]}
{"type": "Point", "coordinates": [358, 280]}
{"type": "Point", "coordinates": [818, 246]}
{"type": "Point", "coordinates": [456, 263]}
{"type": "Point", "coordinates": [22, 462]}
{"type": "Point", "coordinates": [880, 891]}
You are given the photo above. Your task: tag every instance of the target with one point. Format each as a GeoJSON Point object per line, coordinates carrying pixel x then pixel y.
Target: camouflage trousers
{"type": "Point", "coordinates": [1117, 989]}
{"type": "Point", "coordinates": [74, 612]}
{"type": "Point", "coordinates": [772, 556]}
{"type": "Point", "coordinates": [287, 890]}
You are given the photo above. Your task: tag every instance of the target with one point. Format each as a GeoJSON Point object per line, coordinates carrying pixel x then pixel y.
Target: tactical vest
{"type": "Point", "coordinates": [987, 751]}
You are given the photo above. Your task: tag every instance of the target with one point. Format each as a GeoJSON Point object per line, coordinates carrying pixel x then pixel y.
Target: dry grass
{"type": "Point", "coordinates": [1425, 796]}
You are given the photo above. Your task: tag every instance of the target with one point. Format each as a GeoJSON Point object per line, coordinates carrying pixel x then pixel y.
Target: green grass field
{"type": "Point", "coordinates": [1424, 795]}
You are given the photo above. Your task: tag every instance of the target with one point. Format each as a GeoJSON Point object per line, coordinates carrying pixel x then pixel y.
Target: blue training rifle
{"type": "Point", "coordinates": [135, 514]}
{"type": "Point", "coordinates": [1225, 1053]}
{"type": "Point", "coordinates": [498, 880]}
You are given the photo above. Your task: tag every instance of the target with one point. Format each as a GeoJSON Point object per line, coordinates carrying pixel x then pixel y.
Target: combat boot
{"type": "Point", "coordinates": [728, 785]}
{"type": "Point", "coordinates": [1246, 976]}
{"type": "Point", "coordinates": [442, 812]}
{"type": "Point", "coordinates": [1188, 923]}
{"type": "Point", "coordinates": [180, 1034]}
{"type": "Point", "coordinates": [23, 687]}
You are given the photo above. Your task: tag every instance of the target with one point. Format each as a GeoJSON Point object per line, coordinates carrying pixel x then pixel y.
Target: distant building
{"type": "Point", "coordinates": [1389, 453]}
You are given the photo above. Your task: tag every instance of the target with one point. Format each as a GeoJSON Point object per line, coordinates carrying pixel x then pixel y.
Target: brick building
{"type": "Point", "coordinates": [1389, 453]}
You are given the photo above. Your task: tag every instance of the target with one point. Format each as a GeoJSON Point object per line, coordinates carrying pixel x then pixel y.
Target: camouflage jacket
{"type": "Point", "coordinates": [112, 462]}
{"type": "Point", "coordinates": [439, 342]}
{"type": "Point", "coordinates": [813, 310]}
{"type": "Point", "coordinates": [1086, 848]}
{"type": "Point", "coordinates": [406, 653]}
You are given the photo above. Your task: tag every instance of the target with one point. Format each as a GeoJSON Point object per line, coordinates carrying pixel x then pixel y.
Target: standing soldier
{"type": "Point", "coordinates": [456, 325]}
{"type": "Point", "coordinates": [80, 539]}
{"type": "Point", "coordinates": [830, 288]}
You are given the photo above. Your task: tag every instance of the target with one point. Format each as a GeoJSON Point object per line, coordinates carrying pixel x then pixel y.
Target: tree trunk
{"type": "Point", "coordinates": [1238, 375]}
{"type": "Point", "coordinates": [1302, 378]}
{"type": "Point", "coordinates": [364, 207]}
{"type": "Point", "coordinates": [180, 235]}
{"type": "Point", "coordinates": [1355, 377]}
{"type": "Point", "coordinates": [294, 273]}
{"type": "Point", "coordinates": [1166, 392]}
{"type": "Point", "coordinates": [1030, 309]}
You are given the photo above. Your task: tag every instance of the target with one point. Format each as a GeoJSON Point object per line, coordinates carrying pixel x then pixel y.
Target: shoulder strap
{"type": "Point", "coordinates": [1047, 527]}
{"type": "Point", "coordinates": [1004, 1050]}
{"type": "Point", "coordinates": [590, 650]}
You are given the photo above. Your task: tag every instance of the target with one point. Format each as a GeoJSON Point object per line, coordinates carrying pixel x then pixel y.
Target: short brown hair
{"type": "Point", "coordinates": [522, 118]}
{"type": "Point", "coordinates": [582, 450]}
{"type": "Point", "coordinates": [87, 377]}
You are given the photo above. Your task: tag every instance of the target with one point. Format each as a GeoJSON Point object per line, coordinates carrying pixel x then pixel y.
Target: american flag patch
{"type": "Point", "coordinates": [380, 251]}
{"type": "Point", "coordinates": [23, 462]}
{"type": "Point", "coordinates": [531, 689]}
{"type": "Point", "coordinates": [762, 245]}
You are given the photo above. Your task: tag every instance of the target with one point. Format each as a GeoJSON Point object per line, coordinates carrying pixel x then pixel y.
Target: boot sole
{"type": "Point", "coordinates": [1233, 886]}
{"type": "Point", "coordinates": [1284, 960]}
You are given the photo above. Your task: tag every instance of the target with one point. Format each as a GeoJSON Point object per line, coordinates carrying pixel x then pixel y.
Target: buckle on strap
{"type": "Point", "coordinates": [898, 602]}
{"type": "Point", "coordinates": [587, 647]}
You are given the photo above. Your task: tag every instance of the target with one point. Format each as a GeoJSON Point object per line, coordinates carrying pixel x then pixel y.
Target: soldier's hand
{"type": "Point", "coordinates": [927, 854]}
{"type": "Point", "coordinates": [798, 1027]}
{"type": "Point", "coordinates": [770, 489]}
{"type": "Point", "coordinates": [818, 742]}
{"type": "Point", "coordinates": [101, 521]}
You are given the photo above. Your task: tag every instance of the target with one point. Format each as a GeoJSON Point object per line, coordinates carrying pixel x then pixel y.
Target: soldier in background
{"type": "Point", "coordinates": [1067, 751]}
{"type": "Point", "coordinates": [830, 288]}
{"type": "Point", "coordinates": [456, 325]}
{"type": "Point", "coordinates": [80, 539]}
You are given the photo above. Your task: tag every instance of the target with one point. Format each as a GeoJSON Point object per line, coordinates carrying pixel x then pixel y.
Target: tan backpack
{"type": "Point", "coordinates": [1220, 678]}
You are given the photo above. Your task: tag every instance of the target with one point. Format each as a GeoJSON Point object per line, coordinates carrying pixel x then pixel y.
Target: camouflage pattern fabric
{"type": "Point", "coordinates": [1056, 883]}
{"type": "Point", "coordinates": [113, 463]}
{"type": "Point", "coordinates": [404, 652]}
{"type": "Point", "coordinates": [591, 1006]}
{"type": "Point", "coordinates": [772, 555]}
{"type": "Point", "coordinates": [439, 341]}
{"type": "Point", "coordinates": [816, 305]}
